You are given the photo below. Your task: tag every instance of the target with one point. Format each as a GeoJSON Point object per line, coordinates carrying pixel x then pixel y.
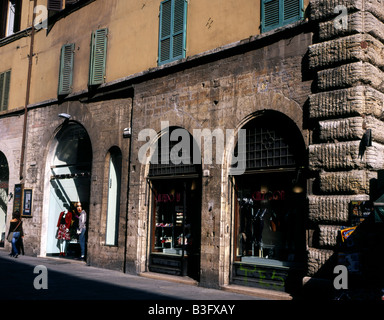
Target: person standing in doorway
{"type": "Point", "coordinates": [16, 226]}
{"type": "Point", "coordinates": [81, 229]}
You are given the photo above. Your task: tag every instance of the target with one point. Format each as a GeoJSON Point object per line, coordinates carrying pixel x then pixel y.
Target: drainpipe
{"type": "Point", "coordinates": [30, 58]}
{"type": "Point", "coordinates": [128, 185]}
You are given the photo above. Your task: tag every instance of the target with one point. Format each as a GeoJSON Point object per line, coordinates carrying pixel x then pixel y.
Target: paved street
{"type": "Point", "coordinates": [74, 280]}
{"type": "Point", "coordinates": [68, 279]}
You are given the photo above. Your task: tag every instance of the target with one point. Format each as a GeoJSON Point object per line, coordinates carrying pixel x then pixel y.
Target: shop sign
{"type": "Point", "coordinates": [273, 195]}
{"type": "Point", "coordinates": [166, 197]}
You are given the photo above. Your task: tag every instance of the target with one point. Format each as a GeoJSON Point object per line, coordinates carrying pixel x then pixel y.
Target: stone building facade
{"type": "Point", "coordinates": [309, 91]}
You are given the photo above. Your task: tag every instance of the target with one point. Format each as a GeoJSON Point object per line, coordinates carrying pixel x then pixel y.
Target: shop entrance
{"type": "Point", "coordinates": [176, 215]}
{"type": "Point", "coordinates": [70, 173]}
{"type": "Point", "coordinates": [269, 240]}
{"type": "Point", "coordinates": [4, 180]}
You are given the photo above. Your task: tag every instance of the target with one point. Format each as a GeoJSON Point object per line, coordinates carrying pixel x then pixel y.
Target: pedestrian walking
{"type": "Point", "coordinates": [15, 233]}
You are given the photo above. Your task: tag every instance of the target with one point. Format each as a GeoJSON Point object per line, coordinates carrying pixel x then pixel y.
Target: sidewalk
{"type": "Point", "coordinates": [73, 280]}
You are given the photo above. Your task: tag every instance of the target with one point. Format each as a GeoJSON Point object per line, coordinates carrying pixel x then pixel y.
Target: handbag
{"type": "Point", "coordinates": [10, 235]}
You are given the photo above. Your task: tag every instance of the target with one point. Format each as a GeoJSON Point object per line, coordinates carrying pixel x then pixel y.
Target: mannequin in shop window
{"type": "Point", "coordinates": [63, 234]}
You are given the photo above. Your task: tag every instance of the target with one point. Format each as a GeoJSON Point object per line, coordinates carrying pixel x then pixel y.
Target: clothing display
{"type": "Point", "coordinates": [259, 226]}
{"type": "Point", "coordinates": [64, 223]}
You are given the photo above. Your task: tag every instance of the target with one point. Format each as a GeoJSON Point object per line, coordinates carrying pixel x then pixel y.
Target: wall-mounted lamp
{"type": "Point", "coordinates": [65, 116]}
{"type": "Point", "coordinates": [10, 196]}
{"type": "Point", "coordinates": [127, 133]}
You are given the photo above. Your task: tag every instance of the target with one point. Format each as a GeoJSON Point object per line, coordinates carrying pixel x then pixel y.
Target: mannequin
{"type": "Point", "coordinates": [63, 234]}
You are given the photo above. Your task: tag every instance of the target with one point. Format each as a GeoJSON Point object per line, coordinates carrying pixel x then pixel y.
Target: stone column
{"type": "Point", "coordinates": [347, 99]}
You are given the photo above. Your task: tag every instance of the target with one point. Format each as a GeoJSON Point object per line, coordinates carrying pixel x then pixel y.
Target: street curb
{"type": "Point", "coordinates": [257, 292]}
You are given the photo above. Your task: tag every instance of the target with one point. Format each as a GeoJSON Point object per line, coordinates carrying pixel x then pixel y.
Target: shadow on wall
{"type": "Point", "coordinates": [361, 250]}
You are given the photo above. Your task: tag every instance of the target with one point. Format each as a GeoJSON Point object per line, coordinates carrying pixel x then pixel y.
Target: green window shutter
{"type": "Point", "coordinates": [98, 57]}
{"type": "Point", "coordinates": [5, 81]}
{"type": "Point", "coordinates": [66, 69]}
{"type": "Point", "coordinates": [292, 11]}
{"type": "Point", "coordinates": [277, 13]}
{"type": "Point", "coordinates": [172, 34]}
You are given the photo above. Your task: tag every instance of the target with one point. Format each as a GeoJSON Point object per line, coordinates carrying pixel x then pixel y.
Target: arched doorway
{"type": "Point", "coordinates": [176, 198]}
{"type": "Point", "coordinates": [4, 181]}
{"type": "Point", "coordinates": [269, 233]}
{"type": "Point", "coordinates": [70, 173]}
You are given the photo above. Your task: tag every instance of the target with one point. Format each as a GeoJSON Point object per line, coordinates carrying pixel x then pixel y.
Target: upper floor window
{"type": "Point", "coordinates": [5, 80]}
{"type": "Point", "coordinates": [98, 57]}
{"type": "Point", "coordinates": [57, 5]}
{"type": "Point", "coordinates": [66, 69]}
{"type": "Point", "coordinates": [277, 13]}
{"type": "Point", "coordinates": [10, 14]}
{"type": "Point", "coordinates": [172, 33]}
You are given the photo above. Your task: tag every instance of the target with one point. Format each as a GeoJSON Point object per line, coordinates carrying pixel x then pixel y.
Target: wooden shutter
{"type": "Point", "coordinates": [66, 69]}
{"type": "Point", "coordinates": [5, 81]}
{"type": "Point", "coordinates": [98, 57]}
{"type": "Point", "coordinates": [172, 30]}
{"type": "Point", "coordinates": [271, 14]}
{"type": "Point", "coordinates": [55, 5]}
{"type": "Point", "coordinates": [291, 10]}
{"type": "Point", "coordinates": [277, 13]}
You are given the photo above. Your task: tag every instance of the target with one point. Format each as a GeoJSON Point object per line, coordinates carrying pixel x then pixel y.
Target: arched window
{"type": "Point", "coordinates": [4, 178]}
{"type": "Point", "coordinates": [114, 187]}
{"type": "Point", "coordinates": [269, 209]}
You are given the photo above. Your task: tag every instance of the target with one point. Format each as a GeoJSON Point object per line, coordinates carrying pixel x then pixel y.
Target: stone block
{"type": "Point", "coordinates": [353, 74]}
{"type": "Point", "coordinates": [346, 182]}
{"type": "Point", "coordinates": [321, 10]}
{"type": "Point", "coordinates": [350, 129]}
{"type": "Point", "coordinates": [357, 22]}
{"type": "Point", "coordinates": [358, 47]}
{"type": "Point", "coordinates": [359, 100]}
{"type": "Point", "coordinates": [331, 209]}
{"type": "Point", "coordinates": [328, 235]}
{"type": "Point", "coordinates": [317, 258]}
{"type": "Point", "coordinates": [345, 156]}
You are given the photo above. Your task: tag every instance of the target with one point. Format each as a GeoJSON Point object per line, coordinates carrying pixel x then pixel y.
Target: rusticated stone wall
{"type": "Point", "coordinates": [347, 99]}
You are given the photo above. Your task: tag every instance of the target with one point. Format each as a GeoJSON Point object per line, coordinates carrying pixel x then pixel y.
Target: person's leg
{"type": "Point", "coordinates": [82, 243]}
{"type": "Point", "coordinates": [15, 238]}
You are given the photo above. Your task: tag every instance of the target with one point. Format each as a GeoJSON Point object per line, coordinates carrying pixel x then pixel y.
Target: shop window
{"type": "Point", "coordinates": [277, 13]}
{"type": "Point", "coordinates": [270, 195]}
{"type": "Point", "coordinates": [113, 207]}
{"type": "Point", "coordinates": [176, 219]}
{"type": "Point", "coordinates": [98, 57]}
{"type": "Point", "coordinates": [5, 80]}
{"type": "Point", "coordinates": [10, 14]}
{"type": "Point", "coordinates": [66, 69]}
{"type": "Point", "coordinates": [172, 33]}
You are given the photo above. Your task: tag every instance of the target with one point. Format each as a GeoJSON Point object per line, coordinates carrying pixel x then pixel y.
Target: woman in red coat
{"type": "Point", "coordinates": [63, 234]}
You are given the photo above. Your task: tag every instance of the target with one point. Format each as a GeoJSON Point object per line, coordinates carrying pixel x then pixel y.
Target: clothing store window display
{"type": "Point", "coordinates": [63, 233]}
{"type": "Point", "coordinates": [16, 226]}
{"type": "Point", "coordinates": [81, 229]}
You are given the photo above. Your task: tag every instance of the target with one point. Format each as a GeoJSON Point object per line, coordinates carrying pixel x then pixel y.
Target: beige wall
{"type": "Point", "coordinates": [132, 41]}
